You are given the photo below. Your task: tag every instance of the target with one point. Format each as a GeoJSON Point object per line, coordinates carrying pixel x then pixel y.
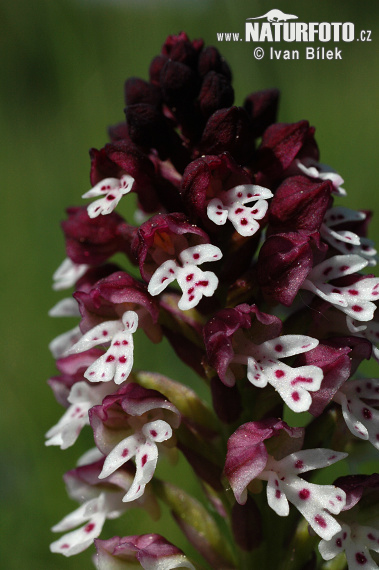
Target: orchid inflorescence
{"type": "Point", "coordinates": [244, 263]}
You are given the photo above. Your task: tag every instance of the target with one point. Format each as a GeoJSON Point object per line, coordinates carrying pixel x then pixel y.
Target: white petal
{"type": "Point", "coordinates": [216, 212]}
{"type": "Point", "coordinates": [103, 187]}
{"type": "Point", "coordinates": [195, 283]}
{"type": "Point", "coordinates": [288, 345]}
{"type": "Point", "coordinates": [158, 431]}
{"type": "Point", "coordinates": [276, 499]}
{"type": "Point", "coordinates": [162, 277]}
{"type": "Point", "coordinates": [101, 334]}
{"type": "Point", "coordinates": [64, 342]}
{"type": "Point", "coordinates": [199, 254]}
{"type": "Point", "coordinates": [121, 453]}
{"type": "Point", "coordinates": [67, 307]}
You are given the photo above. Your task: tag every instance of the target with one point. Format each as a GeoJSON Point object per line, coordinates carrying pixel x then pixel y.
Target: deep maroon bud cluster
{"type": "Point", "coordinates": [245, 262]}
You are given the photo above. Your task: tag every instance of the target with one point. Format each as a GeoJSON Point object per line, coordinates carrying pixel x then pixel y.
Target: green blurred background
{"type": "Point", "coordinates": [63, 64]}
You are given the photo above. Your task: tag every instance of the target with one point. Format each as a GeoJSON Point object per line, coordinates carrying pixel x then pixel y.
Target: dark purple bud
{"type": "Point", "coordinates": [283, 264]}
{"type": "Point", "coordinates": [262, 107]}
{"type": "Point", "coordinates": [179, 84]}
{"type": "Point", "coordinates": [180, 48]}
{"type": "Point", "coordinates": [216, 93]}
{"type": "Point", "coordinates": [281, 144]}
{"type": "Point", "coordinates": [149, 128]}
{"type": "Point", "coordinates": [299, 204]}
{"type": "Point", "coordinates": [210, 59]}
{"type": "Point", "coordinates": [229, 130]}
{"type": "Point", "coordinates": [139, 91]}
{"type": "Point", "coordinates": [118, 132]}
{"type": "Point", "coordinates": [94, 240]}
{"type": "Point", "coordinates": [156, 67]}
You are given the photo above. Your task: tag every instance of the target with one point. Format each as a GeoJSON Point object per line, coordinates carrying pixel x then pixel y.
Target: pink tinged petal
{"type": "Point", "coordinates": [195, 283]}
{"type": "Point", "coordinates": [64, 342]}
{"type": "Point", "coordinates": [199, 254]}
{"type": "Point", "coordinates": [162, 277]}
{"type": "Point", "coordinates": [276, 499]}
{"type": "Point", "coordinates": [65, 308]}
{"type": "Point", "coordinates": [216, 212]}
{"type": "Point", "coordinates": [68, 274]}
{"type": "Point", "coordinates": [121, 453]}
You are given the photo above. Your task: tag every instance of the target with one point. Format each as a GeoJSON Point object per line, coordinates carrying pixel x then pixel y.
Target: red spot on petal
{"type": "Point", "coordinates": [339, 542]}
{"type": "Point", "coordinates": [171, 271]}
{"type": "Point", "coordinates": [353, 292]}
{"type": "Point", "coordinates": [327, 270]}
{"type": "Point", "coordinates": [255, 211]}
{"type": "Point", "coordinates": [189, 277]}
{"type": "Point", "coordinates": [301, 379]}
{"type": "Point", "coordinates": [371, 536]}
{"type": "Point", "coordinates": [125, 342]}
{"type": "Point", "coordinates": [278, 494]}
{"type": "Point", "coordinates": [299, 464]}
{"type": "Point", "coordinates": [117, 343]}
{"type": "Point", "coordinates": [153, 433]}
{"type": "Point", "coordinates": [125, 452]}
{"type": "Point", "coordinates": [366, 414]}
{"type": "Point", "coordinates": [164, 279]}
{"type": "Point", "coordinates": [239, 194]}
{"type": "Point", "coordinates": [244, 222]}
{"type": "Point", "coordinates": [191, 297]}
{"type": "Point", "coordinates": [122, 359]}
{"type": "Point", "coordinates": [65, 545]}
{"type": "Point", "coordinates": [110, 197]}
{"type": "Point", "coordinates": [202, 284]}
{"type": "Point", "coordinates": [89, 527]}
{"type": "Point", "coordinates": [344, 267]}
{"type": "Point", "coordinates": [295, 396]}
{"type": "Point", "coordinates": [110, 358]}
{"type": "Point", "coordinates": [279, 373]}
{"type": "Point", "coordinates": [105, 333]}
{"type": "Point", "coordinates": [196, 255]}
{"type": "Point", "coordinates": [357, 308]}
{"type": "Point", "coordinates": [143, 460]}
{"type": "Point", "coordinates": [360, 558]}
{"type": "Point", "coordinates": [238, 211]}
{"type": "Point", "coordinates": [304, 494]}
{"type": "Point", "coordinates": [279, 348]}
{"type": "Point", "coordinates": [320, 521]}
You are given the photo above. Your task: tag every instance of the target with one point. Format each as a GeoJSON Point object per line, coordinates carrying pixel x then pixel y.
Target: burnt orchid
{"type": "Point", "coordinates": [239, 256]}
